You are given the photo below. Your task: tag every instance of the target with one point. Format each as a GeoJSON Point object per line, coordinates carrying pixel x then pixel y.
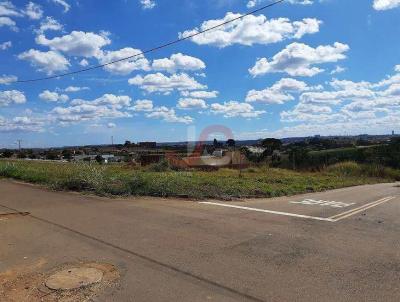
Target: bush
{"type": "Point", "coordinates": [161, 166]}
{"type": "Point", "coordinates": [345, 169]}
{"type": "Point", "coordinates": [83, 177]}
{"type": "Point", "coordinates": [348, 169]}
{"type": "Point", "coordinates": [8, 170]}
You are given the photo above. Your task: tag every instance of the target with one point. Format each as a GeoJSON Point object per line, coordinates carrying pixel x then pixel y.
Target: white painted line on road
{"type": "Point", "coordinates": [361, 209]}
{"type": "Point", "coordinates": [323, 203]}
{"type": "Point", "coordinates": [267, 211]}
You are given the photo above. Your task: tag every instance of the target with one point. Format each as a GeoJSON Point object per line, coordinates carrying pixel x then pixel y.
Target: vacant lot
{"type": "Point", "coordinates": [222, 184]}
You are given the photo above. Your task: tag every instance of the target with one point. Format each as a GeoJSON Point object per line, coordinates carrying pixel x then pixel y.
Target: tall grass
{"type": "Point", "coordinates": [353, 169]}
{"type": "Point", "coordinates": [160, 180]}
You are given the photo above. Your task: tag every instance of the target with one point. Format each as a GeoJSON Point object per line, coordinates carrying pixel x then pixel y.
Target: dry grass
{"type": "Point", "coordinates": [222, 184]}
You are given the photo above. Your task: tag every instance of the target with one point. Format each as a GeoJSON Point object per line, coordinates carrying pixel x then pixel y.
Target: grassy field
{"type": "Point", "coordinates": [160, 181]}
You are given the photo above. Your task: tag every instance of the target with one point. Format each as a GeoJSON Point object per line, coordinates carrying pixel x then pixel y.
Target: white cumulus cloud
{"type": "Point", "coordinates": [190, 103]}
{"type": "Point", "coordinates": [50, 96]}
{"type": "Point", "coordinates": [75, 89]}
{"type": "Point", "coordinates": [148, 4]}
{"type": "Point", "coordinates": [84, 63]}
{"type": "Point", "coordinates": [278, 93]}
{"type": "Point", "coordinates": [49, 24]}
{"type": "Point", "coordinates": [235, 109]}
{"type": "Point", "coordinates": [386, 4]}
{"type": "Point", "coordinates": [9, 97]}
{"type": "Point", "coordinates": [7, 8]}
{"type": "Point", "coordinates": [106, 107]}
{"type": "Point", "coordinates": [6, 21]}
{"type": "Point", "coordinates": [7, 79]}
{"type": "Point", "coordinates": [298, 59]}
{"type": "Point", "coordinates": [137, 62]}
{"type": "Point", "coordinates": [200, 94]}
{"type": "Point", "coordinates": [178, 62]}
{"type": "Point", "coordinates": [77, 43]}
{"type": "Point", "coordinates": [254, 3]}
{"type": "Point", "coordinates": [48, 62]}
{"type": "Point", "coordinates": [169, 115]}
{"type": "Point", "coordinates": [252, 30]}
{"type": "Point", "coordinates": [159, 82]}
{"type": "Point", "coordinates": [142, 105]}
{"type": "Point", "coordinates": [21, 124]}
{"type": "Point", "coordinates": [338, 69]}
{"type": "Point", "coordinates": [5, 45]}
{"type": "Point", "coordinates": [64, 4]}
{"type": "Point", "coordinates": [33, 11]}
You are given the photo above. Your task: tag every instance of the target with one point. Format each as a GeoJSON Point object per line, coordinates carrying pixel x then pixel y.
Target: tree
{"type": "Point", "coordinates": [215, 143]}
{"type": "Point", "coordinates": [8, 153]}
{"type": "Point", "coordinates": [276, 159]}
{"type": "Point", "coordinates": [67, 154]}
{"type": "Point", "coordinates": [21, 155]}
{"type": "Point", "coordinates": [271, 144]}
{"type": "Point", "coordinates": [230, 142]}
{"type": "Point", "coordinates": [255, 157]}
{"type": "Point", "coordinates": [99, 159]}
{"type": "Point", "coordinates": [127, 143]}
{"type": "Point", "coordinates": [51, 155]}
{"type": "Point", "coordinates": [298, 156]}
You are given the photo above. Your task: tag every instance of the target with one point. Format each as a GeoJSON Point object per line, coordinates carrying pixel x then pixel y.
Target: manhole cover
{"type": "Point", "coordinates": [74, 278]}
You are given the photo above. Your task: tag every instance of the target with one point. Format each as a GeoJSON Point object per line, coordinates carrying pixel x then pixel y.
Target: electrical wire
{"type": "Point", "coordinates": [149, 50]}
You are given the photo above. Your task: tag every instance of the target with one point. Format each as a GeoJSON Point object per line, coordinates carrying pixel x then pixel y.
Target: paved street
{"type": "Point", "coordinates": [341, 245]}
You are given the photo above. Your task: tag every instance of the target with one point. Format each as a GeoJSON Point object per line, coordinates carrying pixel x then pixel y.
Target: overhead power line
{"type": "Point", "coordinates": [152, 49]}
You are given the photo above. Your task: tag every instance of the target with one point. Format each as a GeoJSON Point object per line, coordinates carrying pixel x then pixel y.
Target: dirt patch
{"type": "Point", "coordinates": [27, 284]}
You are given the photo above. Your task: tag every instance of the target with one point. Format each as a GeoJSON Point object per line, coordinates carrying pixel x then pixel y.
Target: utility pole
{"type": "Point", "coordinates": [19, 144]}
{"type": "Point", "coordinates": [112, 141]}
{"type": "Point", "coordinates": [240, 163]}
{"type": "Point", "coordinates": [294, 159]}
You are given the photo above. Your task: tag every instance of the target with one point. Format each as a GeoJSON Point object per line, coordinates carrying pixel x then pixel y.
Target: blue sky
{"type": "Point", "coordinates": [303, 67]}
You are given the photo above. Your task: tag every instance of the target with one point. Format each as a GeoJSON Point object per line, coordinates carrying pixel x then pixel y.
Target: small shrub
{"type": "Point", "coordinates": [161, 166]}
{"type": "Point", "coordinates": [345, 169]}
{"type": "Point", "coordinates": [136, 184]}
{"type": "Point", "coordinates": [8, 169]}
{"type": "Point", "coordinates": [352, 169]}
{"type": "Point", "coordinates": [251, 170]}
{"type": "Point", "coordinates": [83, 176]}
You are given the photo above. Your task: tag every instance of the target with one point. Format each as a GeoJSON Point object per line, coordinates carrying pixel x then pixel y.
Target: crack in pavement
{"type": "Point", "coordinates": [148, 259]}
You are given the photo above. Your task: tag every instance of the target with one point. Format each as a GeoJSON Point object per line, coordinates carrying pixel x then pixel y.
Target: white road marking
{"type": "Point", "coordinates": [334, 218]}
{"type": "Point", "coordinates": [267, 211]}
{"type": "Point", "coordinates": [323, 203]}
{"type": "Point", "coordinates": [360, 209]}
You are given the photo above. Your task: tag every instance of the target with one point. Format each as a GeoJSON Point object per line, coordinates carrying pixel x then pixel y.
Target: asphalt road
{"type": "Point", "coordinates": [341, 245]}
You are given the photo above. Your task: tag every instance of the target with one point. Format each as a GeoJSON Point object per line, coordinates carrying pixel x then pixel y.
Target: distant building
{"type": "Point", "coordinates": [149, 145]}
{"type": "Point", "coordinates": [218, 153]}
{"type": "Point", "coordinates": [84, 157]}
{"type": "Point", "coordinates": [253, 149]}
{"type": "Point", "coordinates": [151, 158]}
{"type": "Point", "coordinates": [108, 158]}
